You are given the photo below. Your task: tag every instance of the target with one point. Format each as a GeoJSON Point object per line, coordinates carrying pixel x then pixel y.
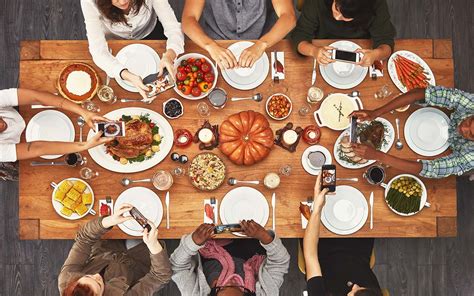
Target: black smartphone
{"type": "Point", "coordinates": [353, 130]}
{"type": "Point", "coordinates": [111, 129]}
{"type": "Point", "coordinates": [138, 216]}
{"type": "Point", "coordinates": [328, 177]}
{"type": "Point", "coordinates": [218, 229]}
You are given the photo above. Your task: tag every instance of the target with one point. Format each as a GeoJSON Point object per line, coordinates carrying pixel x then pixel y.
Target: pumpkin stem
{"type": "Point", "coordinates": [246, 138]}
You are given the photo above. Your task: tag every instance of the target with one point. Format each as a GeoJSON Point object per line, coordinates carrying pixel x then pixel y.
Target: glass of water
{"type": "Point", "coordinates": [383, 92]}
{"type": "Point", "coordinates": [203, 109]}
{"type": "Point", "coordinates": [88, 173]}
{"type": "Point", "coordinates": [90, 106]}
{"type": "Point", "coordinates": [285, 170]}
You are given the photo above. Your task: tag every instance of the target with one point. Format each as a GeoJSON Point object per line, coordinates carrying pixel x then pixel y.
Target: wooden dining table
{"type": "Point", "coordinates": [42, 60]}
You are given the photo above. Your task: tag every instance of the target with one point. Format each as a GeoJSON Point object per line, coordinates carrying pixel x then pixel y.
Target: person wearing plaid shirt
{"type": "Point", "coordinates": [461, 132]}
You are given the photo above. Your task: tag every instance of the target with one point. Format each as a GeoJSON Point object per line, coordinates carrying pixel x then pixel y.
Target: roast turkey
{"type": "Point", "coordinates": [137, 140]}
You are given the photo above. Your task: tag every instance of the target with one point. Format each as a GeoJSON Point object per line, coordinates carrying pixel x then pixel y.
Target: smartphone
{"type": "Point", "coordinates": [353, 130]}
{"type": "Point", "coordinates": [346, 56]}
{"type": "Point", "coordinates": [227, 228]}
{"type": "Point", "coordinates": [158, 84]}
{"type": "Point", "coordinates": [111, 128]}
{"type": "Point", "coordinates": [140, 218]}
{"type": "Point", "coordinates": [328, 177]}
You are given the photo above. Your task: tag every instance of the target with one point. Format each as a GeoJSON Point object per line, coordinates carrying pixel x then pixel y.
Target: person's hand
{"type": "Point", "coordinates": [250, 55]}
{"type": "Point", "coordinates": [167, 62]}
{"type": "Point", "coordinates": [91, 117]}
{"type": "Point", "coordinates": [363, 115]}
{"type": "Point", "coordinates": [97, 140]}
{"type": "Point", "coordinates": [368, 58]}
{"type": "Point", "coordinates": [203, 233]}
{"type": "Point", "coordinates": [117, 217]}
{"type": "Point", "coordinates": [151, 239]}
{"type": "Point", "coordinates": [365, 151]}
{"type": "Point", "coordinates": [224, 57]}
{"type": "Point", "coordinates": [254, 230]}
{"type": "Point", "coordinates": [319, 197]}
{"type": "Point", "coordinates": [323, 55]}
{"type": "Point", "coordinates": [137, 82]}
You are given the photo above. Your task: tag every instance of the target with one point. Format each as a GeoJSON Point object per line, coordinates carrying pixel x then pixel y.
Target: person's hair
{"type": "Point", "coordinates": [369, 292]}
{"type": "Point", "coordinates": [361, 11]}
{"type": "Point", "coordinates": [75, 288]}
{"type": "Point", "coordinates": [115, 14]}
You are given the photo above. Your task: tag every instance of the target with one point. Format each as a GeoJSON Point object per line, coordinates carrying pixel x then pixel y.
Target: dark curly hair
{"type": "Point", "coordinates": [115, 14]}
{"type": "Point", "coordinates": [361, 11]}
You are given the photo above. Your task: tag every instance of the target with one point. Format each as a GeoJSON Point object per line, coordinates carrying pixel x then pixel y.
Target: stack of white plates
{"type": "Point", "coordinates": [345, 212]}
{"type": "Point", "coordinates": [140, 60]}
{"type": "Point", "coordinates": [50, 125]}
{"type": "Point", "coordinates": [340, 74]}
{"type": "Point", "coordinates": [426, 131]}
{"type": "Point", "coordinates": [146, 201]}
{"type": "Point", "coordinates": [246, 78]}
{"type": "Point", "coordinates": [244, 203]}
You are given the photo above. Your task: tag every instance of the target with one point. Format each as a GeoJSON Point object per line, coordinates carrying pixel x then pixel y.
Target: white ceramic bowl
{"type": "Point", "coordinates": [58, 206]}
{"type": "Point", "coordinates": [196, 56]}
{"type": "Point", "coordinates": [268, 102]}
{"type": "Point", "coordinates": [424, 195]}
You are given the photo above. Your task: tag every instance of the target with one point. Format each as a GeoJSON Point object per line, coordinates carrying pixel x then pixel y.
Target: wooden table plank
{"type": "Point", "coordinates": [30, 50]}
{"type": "Point", "coordinates": [443, 49]}
{"type": "Point", "coordinates": [186, 201]}
{"type": "Point", "coordinates": [29, 229]}
{"type": "Point", "coordinates": [447, 226]}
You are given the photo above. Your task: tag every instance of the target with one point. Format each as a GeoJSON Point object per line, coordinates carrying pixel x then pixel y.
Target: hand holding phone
{"type": "Point", "coordinates": [353, 130]}
{"type": "Point", "coordinates": [328, 177]}
{"type": "Point", "coordinates": [142, 220]}
{"type": "Point", "coordinates": [111, 129]}
{"type": "Point", "coordinates": [227, 228]}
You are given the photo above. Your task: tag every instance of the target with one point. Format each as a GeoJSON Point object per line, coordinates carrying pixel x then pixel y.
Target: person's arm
{"type": "Point", "coordinates": [160, 269]}
{"type": "Point", "coordinates": [408, 98]}
{"type": "Point", "coordinates": [39, 148]}
{"type": "Point", "coordinates": [190, 20]}
{"type": "Point", "coordinates": [278, 259]}
{"type": "Point", "coordinates": [450, 98]}
{"type": "Point", "coordinates": [29, 97]}
{"type": "Point", "coordinates": [286, 22]}
{"type": "Point", "coordinates": [311, 235]}
{"type": "Point", "coordinates": [368, 152]}
{"type": "Point", "coordinates": [172, 30]}
{"type": "Point", "coordinates": [456, 163]}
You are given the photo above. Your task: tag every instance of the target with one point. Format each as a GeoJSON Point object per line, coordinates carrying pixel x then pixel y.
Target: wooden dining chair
{"type": "Point", "coordinates": [299, 4]}
{"type": "Point", "coordinates": [302, 264]}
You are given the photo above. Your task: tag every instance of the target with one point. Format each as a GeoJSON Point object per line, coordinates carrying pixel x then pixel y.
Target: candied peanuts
{"type": "Point", "coordinates": [279, 106]}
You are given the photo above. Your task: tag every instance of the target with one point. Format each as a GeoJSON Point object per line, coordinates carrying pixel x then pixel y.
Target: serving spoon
{"type": "Point", "coordinates": [398, 143]}
{"type": "Point", "coordinates": [234, 181]}
{"type": "Point", "coordinates": [256, 97]}
{"type": "Point", "coordinates": [126, 181]}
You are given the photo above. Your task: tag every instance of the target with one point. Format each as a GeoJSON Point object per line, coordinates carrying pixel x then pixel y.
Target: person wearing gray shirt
{"type": "Point", "coordinates": [206, 21]}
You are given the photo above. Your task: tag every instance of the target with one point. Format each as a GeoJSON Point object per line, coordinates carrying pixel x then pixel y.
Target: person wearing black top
{"type": "Point", "coordinates": [344, 19]}
{"type": "Point", "coordinates": [336, 266]}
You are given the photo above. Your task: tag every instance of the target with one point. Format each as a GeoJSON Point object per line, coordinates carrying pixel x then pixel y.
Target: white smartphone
{"type": "Point", "coordinates": [346, 56]}
{"type": "Point", "coordinates": [111, 129]}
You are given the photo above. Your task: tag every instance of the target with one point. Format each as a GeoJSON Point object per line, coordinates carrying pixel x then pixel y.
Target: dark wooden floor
{"type": "Point", "coordinates": [404, 266]}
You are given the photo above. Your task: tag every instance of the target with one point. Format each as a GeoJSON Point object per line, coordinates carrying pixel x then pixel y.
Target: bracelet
{"type": "Point", "coordinates": [120, 74]}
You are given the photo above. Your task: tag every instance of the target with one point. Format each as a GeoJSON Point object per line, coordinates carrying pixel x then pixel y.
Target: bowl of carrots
{"type": "Point", "coordinates": [408, 71]}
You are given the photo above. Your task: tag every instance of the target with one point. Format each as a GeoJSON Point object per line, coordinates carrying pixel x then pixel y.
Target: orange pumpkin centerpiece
{"type": "Point", "coordinates": [246, 137]}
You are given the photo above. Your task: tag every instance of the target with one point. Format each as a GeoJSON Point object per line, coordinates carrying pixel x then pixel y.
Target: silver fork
{"type": "Point", "coordinates": [213, 204]}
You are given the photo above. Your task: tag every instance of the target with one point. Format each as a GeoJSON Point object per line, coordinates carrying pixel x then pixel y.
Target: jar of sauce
{"type": "Point", "coordinates": [311, 134]}
{"type": "Point", "coordinates": [182, 138]}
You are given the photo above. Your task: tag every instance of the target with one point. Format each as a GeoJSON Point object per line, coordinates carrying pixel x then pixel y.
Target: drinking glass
{"type": "Point", "coordinates": [203, 109]}
{"type": "Point", "coordinates": [178, 171]}
{"type": "Point", "coordinates": [383, 92]}
{"type": "Point", "coordinates": [90, 106]}
{"type": "Point", "coordinates": [106, 94]}
{"type": "Point", "coordinates": [88, 173]}
{"type": "Point", "coordinates": [162, 180]}
{"type": "Point", "coordinates": [285, 170]}
{"type": "Point", "coordinates": [304, 110]}
{"type": "Point", "coordinates": [315, 94]}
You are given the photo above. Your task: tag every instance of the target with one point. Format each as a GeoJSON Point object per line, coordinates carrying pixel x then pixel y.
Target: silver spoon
{"type": "Point", "coordinates": [398, 143]}
{"type": "Point", "coordinates": [146, 101]}
{"type": "Point", "coordinates": [45, 163]}
{"type": "Point", "coordinates": [234, 181]}
{"type": "Point", "coordinates": [80, 122]}
{"type": "Point", "coordinates": [127, 181]}
{"type": "Point", "coordinates": [348, 179]}
{"type": "Point", "coordinates": [256, 97]}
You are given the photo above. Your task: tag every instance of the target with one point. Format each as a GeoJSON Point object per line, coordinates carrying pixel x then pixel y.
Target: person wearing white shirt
{"type": "Point", "coordinates": [131, 19]}
{"type": "Point", "coordinates": [12, 125]}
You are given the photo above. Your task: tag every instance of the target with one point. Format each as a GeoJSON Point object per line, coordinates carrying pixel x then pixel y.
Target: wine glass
{"type": "Point", "coordinates": [383, 92]}
{"type": "Point", "coordinates": [88, 173]}
{"type": "Point", "coordinates": [203, 109]}
{"type": "Point", "coordinates": [90, 106]}
{"type": "Point", "coordinates": [285, 170]}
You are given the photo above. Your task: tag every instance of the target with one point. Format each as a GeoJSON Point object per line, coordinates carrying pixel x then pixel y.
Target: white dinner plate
{"type": "Point", "coordinates": [50, 125]}
{"type": "Point", "coordinates": [392, 72]}
{"type": "Point", "coordinates": [58, 206]}
{"type": "Point", "coordinates": [140, 60]}
{"type": "Point", "coordinates": [100, 156]}
{"type": "Point", "coordinates": [345, 212]}
{"type": "Point", "coordinates": [426, 131]}
{"type": "Point", "coordinates": [389, 139]}
{"type": "Point", "coordinates": [244, 203]}
{"type": "Point", "coordinates": [340, 74]}
{"type": "Point", "coordinates": [246, 78]}
{"type": "Point", "coordinates": [310, 149]}
{"type": "Point", "coordinates": [146, 201]}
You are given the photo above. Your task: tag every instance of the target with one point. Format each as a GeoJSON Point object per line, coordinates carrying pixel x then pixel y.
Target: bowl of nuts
{"type": "Point", "coordinates": [279, 106]}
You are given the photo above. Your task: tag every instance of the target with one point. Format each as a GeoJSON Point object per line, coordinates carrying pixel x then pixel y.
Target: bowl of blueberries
{"type": "Point", "coordinates": [173, 108]}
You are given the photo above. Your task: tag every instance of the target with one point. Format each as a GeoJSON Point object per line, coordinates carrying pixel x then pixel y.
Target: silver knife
{"type": "Point", "coordinates": [43, 163]}
{"type": "Point", "coordinates": [273, 210]}
{"type": "Point", "coordinates": [313, 77]}
{"type": "Point", "coordinates": [167, 203]}
{"type": "Point", "coordinates": [371, 202]}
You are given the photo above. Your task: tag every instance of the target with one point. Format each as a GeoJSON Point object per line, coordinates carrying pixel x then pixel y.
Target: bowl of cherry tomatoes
{"type": "Point", "coordinates": [196, 76]}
